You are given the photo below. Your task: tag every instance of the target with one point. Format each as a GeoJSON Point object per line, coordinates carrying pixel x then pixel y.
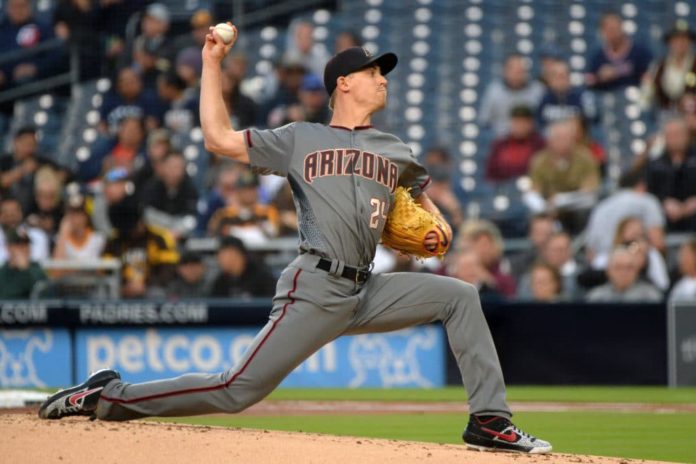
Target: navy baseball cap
{"type": "Point", "coordinates": [354, 59]}
{"type": "Point", "coordinates": [311, 83]}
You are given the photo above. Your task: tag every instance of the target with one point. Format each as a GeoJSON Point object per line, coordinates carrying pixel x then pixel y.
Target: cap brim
{"type": "Point", "coordinates": [386, 62]}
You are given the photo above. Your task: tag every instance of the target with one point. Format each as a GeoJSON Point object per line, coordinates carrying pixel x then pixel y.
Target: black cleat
{"type": "Point", "coordinates": [80, 400]}
{"type": "Point", "coordinates": [496, 433]}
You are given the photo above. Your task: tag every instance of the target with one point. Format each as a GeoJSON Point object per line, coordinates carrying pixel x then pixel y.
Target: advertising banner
{"type": "Point", "coordinates": [407, 358]}
{"type": "Point", "coordinates": [36, 357]}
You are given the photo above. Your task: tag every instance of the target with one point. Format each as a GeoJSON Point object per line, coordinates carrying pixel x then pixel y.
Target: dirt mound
{"type": "Point", "coordinates": [27, 439]}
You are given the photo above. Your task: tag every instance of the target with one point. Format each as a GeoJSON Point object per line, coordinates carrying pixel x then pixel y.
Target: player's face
{"type": "Point", "coordinates": [369, 88]}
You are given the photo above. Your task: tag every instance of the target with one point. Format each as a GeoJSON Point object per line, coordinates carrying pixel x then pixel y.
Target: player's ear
{"type": "Point", "coordinates": [342, 83]}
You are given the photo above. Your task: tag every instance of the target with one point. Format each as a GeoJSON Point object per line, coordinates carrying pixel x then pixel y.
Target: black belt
{"type": "Point", "coordinates": [351, 273]}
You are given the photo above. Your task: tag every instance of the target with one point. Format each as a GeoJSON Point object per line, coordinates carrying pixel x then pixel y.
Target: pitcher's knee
{"type": "Point", "coordinates": [459, 290]}
{"type": "Point", "coordinates": [237, 401]}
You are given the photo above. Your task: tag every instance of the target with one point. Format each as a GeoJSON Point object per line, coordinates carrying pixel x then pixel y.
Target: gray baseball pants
{"type": "Point", "coordinates": [310, 309]}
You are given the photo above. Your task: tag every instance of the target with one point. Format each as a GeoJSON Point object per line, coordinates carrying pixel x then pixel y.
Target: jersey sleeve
{"type": "Point", "coordinates": [414, 176]}
{"type": "Point", "coordinates": [270, 150]}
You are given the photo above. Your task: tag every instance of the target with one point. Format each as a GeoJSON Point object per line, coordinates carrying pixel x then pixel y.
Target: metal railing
{"type": "Point", "coordinates": [48, 83]}
{"type": "Point", "coordinates": [100, 278]}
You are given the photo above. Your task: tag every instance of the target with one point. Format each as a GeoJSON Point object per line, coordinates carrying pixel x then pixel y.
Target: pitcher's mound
{"type": "Point", "coordinates": [27, 439]}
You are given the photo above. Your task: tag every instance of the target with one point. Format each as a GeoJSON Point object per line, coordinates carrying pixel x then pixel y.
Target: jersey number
{"type": "Point", "coordinates": [378, 212]}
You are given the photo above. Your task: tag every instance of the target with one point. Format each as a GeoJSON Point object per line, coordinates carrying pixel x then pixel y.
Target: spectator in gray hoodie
{"type": "Point", "coordinates": [515, 89]}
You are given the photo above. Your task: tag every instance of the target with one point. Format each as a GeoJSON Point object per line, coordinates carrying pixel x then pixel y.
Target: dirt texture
{"type": "Point", "coordinates": [27, 439]}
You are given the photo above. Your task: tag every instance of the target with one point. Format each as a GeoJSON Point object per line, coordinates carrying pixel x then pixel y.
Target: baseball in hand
{"type": "Point", "coordinates": [226, 32]}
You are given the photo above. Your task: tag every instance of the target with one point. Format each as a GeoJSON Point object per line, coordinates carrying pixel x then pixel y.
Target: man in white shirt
{"type": "Point", "coordinates": [631, 200]}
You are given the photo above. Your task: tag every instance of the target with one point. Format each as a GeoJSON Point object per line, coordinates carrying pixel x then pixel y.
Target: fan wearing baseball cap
{"type": "Point", "coordinates": [675, 73]}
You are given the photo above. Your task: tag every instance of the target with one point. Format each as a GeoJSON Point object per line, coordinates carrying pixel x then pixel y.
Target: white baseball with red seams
{"type": "Point", "coordinates": [226, 32]}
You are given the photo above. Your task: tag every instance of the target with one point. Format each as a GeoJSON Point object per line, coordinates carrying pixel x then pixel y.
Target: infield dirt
{"type": "Point", "coordinates": [27, 439]}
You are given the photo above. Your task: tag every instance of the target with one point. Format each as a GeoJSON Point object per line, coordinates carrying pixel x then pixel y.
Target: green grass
{"type": "Point", "coordinates": [666, 437]}
{"type": "Point", "coordinates": [566, 394]}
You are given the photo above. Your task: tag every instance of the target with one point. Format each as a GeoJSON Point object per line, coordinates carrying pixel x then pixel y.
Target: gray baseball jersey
{"type": "Point", "coordinates": [343, 183]}
{"type": "Point", "coordinates": [342, 180]}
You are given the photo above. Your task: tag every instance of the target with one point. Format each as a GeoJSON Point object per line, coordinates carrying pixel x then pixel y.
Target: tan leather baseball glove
{"type": "Point", "coordinates": [408, 227]}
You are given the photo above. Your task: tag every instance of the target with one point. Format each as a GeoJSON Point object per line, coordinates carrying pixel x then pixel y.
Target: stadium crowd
{"type": "Point", "coordinates": [134, 200]}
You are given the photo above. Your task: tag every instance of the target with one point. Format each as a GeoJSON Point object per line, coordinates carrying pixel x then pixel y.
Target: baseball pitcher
{"type": "Point", "coordinates": [344, 178]}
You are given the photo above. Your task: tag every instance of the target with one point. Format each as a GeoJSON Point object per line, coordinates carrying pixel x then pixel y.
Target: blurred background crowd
{"type": "Point", "coordinates": [560, 137]}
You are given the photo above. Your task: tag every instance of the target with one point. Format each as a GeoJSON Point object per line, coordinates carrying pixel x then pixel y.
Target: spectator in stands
{"type": "Point", "coordinates": [221, 195]}
{"type": "Point", "coordinates": [189, 65]}
{"type": "Point", "coordinates": [685, 289]}
{"type": "Point", "coordinates": [287, 214]}
{"type": "Point", "coordinates": [562, 100]}
{"type": "Point", "coordinates": [20, 30]}
{"type": "Point", "coordinates": [631, 200]}
{"type": "Point", "coordinates": [242, 109]}
{"type": "Point", "coordinates": [47, 209]}
{"type": "Point", "coordinates": [113, 19]}
{"type": "Point", "coordinates": [12, 219]}
{"type": "Point", "coordinates": [76, 240]}
{"type": "Point", "coordinates": [201, 20]}
{"type": "Point", "coordinates": [153, 29]}
{"type": "Point", "coordinates": [438, 162]}
{"type": "Point", "coordinates": [20, 272]}
{"type": "Point", "coordinates": [557, 254]}
{"type": "Point", "coordinates": [687, 108]}
{"type": "Point", "coordinates": [483, 238]}
{"type": "Point", "coordinates": [290, 73]}
{"type": "Point", "coordinates": [630, 232]}
{"type": "Point", "coordinates": [624, 286]}
{"type": "Point", "coordinates": [673, 75]}
{"type": "Point", "coordinates": [565, 178]}
{"type": "Point", "coordinates": [147, 64]}
{"type": "Point", "coordinates": [301, 47]}
{"type": "Point", "coordinates": [239, 275]}
{"type": "Point", "coordinates": [127, 99]}
{"type": "Point", "coordinates": [170, 198]}
{"type": "Point", "coordinates": [245, 217]}
{"type": "Point", "coordinates": [193, 280]}
{"type": "Point", "coordinates": [17, 168]}
{"type": "Point", "coordinates": [148, 254]}
{"type": "Point", "coordinates": [546, 283]}
{"type": "Point", "coordinates": [549, 55]}
{"type": "Point", "coordinates": [583, 138]}
{"type": "Point", "coordinates": [541, 227]}
{"type": "Point", "coordinates": [311, 107]}
{"type": "Point", "coordinates": [158, 145]}
{"type": "Point", "coordinates": [511, 153]}
{"type": "Point", "coordinates": [346, 39]}
{"type": "Point", "coordinates": [76, 22]}
{"type": "Point", "coordinates": [179, 102]}
{"type": "Point", "coordinates": [620, 61]}
{"type": "Point", "coordinates": [514, 89]}
{"type": "Point", "coordinates": [466, 266]}
{"type": "Point", "coordinates": [235, 65]}
{"type": "Point", "coordinates": [672, 177]}
{"type": "Point", "coordinates": [126, 150]}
